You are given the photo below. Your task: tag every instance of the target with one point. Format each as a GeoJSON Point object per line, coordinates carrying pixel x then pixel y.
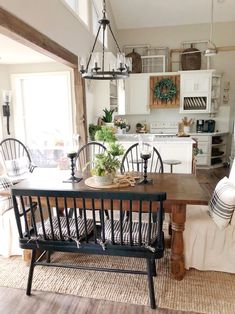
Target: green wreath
{"type": "Point", "coordinates": [165, 83]}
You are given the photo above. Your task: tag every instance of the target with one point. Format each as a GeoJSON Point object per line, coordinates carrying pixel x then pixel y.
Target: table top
{"type": "Point", "coordinates": [180, 188]}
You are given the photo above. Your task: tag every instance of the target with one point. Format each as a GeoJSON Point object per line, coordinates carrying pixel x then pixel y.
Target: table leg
{"type": "Point", "coordinates": [178, 216]}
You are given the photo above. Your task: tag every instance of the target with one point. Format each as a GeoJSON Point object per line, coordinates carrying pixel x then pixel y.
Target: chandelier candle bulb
{"type": "Point", "coordinates": [6, 95]}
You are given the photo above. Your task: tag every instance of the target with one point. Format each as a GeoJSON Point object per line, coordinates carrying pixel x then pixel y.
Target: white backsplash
{"type": "Point", "coordinates": [169, 118]}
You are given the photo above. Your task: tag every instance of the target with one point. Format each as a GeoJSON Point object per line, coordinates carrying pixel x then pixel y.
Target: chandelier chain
{"type": "Point", "coordinates": [104, 8]}
{"type": "Point", "coordinates": [212, 20]}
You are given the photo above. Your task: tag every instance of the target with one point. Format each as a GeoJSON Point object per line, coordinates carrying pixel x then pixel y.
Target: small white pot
{"type": "Point", "coordinates": [186, 129]}
{"type": "Point", "coordinates": [110, 124]}
{"type": "Point", "coordinates": [119, 131]}
{"type": "Point", "coordinates": [103, 180]}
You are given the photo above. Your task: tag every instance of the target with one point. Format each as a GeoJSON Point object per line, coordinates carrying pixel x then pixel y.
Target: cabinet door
{"type": "Point", "coordinates": [203, 143]}
{"type": "Point", "coordinates": [137, 94]}
{"type": "Point", "coordinates": [196, 92]}
{"type": "Point", "coordinates": [196, 83]}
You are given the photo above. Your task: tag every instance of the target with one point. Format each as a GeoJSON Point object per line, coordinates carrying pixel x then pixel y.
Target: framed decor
{"type": "Point", "coordinates": [165, 91]}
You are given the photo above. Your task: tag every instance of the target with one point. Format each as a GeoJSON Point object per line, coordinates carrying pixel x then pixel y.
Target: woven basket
{"type": "Point", "coordinates": [191, 59]}
{"type": "Point", "coordinates": [136, 61]}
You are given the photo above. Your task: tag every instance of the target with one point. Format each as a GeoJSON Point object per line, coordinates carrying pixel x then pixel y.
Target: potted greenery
{"type": "Point", "coordinates": [106, 164]}
{"type": "Point", "coordinates": [121, 125]}
{"type": "Point", "coordinates": [92, 130]}
{"type": "Point", "coordinates": [108, 116]}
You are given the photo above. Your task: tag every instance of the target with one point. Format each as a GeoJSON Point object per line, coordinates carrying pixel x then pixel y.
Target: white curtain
{"type": "Point", "coordinates": [9, 244]}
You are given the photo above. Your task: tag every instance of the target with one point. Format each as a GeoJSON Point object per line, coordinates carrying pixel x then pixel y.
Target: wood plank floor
{"type": "Point", "coordinates": [15, 301]}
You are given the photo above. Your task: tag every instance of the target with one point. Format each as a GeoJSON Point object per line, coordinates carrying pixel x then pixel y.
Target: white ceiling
{"type": "Point", "coordinates": [155, 13]}
{"type": "Point", "coordinates": [12, 52]}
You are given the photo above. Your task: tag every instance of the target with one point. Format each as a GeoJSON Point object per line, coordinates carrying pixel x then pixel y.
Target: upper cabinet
{"type": "Point", "coordinates": [196, 91]}
{"type": "Point", "coordinates": [136, 95]}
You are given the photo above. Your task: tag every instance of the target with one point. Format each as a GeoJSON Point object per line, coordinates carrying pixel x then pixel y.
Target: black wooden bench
{"type": "Point", "coordinates": [91, 233]}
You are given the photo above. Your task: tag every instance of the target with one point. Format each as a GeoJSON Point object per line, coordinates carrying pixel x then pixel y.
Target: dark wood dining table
{"type": "Point", "coordinates": [181, 189]}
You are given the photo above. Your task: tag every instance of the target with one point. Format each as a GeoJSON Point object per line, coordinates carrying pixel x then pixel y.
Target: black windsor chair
{"type": "Point", "coordinates": [86, 155]}
{"type": "Point", "coordinates": [16, 159]}
{"type": "Point", "coordinates": [132, 161]}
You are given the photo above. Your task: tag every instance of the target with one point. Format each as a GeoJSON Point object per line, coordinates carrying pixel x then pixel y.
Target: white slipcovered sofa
{"type": "Point", "coordinates": [9, 244]}
{"type": "Point", "coordinates": [209, 241]}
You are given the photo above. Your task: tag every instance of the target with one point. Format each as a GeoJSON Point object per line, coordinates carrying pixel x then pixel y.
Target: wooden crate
{"type": "Point", "coordinates": [158, 103]}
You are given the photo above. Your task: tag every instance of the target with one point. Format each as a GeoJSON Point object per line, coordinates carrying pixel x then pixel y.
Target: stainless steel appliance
{"type": "Point", "coordinates": [209, 126]}
{"type": "Point", "coordinates": [200, 126]}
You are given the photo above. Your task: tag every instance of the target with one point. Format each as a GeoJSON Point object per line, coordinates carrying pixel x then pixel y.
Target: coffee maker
{"type": "Point", "coordinates": [200, 126]}
{"type": "Point", "coordinates": [209, 126]}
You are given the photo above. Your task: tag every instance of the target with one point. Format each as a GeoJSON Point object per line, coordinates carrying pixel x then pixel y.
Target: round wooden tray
{"type": "Point", "coordinates": [91, 183]}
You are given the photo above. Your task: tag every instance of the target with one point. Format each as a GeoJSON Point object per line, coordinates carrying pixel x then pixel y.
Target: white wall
{"type": "Point", "coordinates": [53, 19]}
{"type": "Point", "coordinates": [97, 99]}
{"type": "Point", "coordinates": [4, 85]}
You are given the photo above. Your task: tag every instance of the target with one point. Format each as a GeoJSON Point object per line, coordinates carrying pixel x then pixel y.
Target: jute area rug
{"type": "Point", "coordinates": [203, 292]}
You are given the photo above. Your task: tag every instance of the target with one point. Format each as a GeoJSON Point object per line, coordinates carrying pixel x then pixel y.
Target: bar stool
{"type": "Point", "coordinates": [172, 163]}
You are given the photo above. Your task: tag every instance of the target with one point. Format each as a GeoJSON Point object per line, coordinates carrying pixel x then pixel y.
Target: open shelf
{"type": "Point", "coordinates": [218, 156]}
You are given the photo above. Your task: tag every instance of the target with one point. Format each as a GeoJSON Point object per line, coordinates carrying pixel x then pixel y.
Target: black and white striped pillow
{"type": "Point", "coordinates": [222, 203]}
{"type": "Point", "coordinates": [17, 167]}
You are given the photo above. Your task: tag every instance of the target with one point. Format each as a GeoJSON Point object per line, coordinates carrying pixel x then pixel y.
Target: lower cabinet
{"type": "Point", "coordinates": [213, 150]}
{"type": "Point", "coordinates": [172, 150]}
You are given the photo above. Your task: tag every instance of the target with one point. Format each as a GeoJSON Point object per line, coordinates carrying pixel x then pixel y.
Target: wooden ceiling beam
{"type": "Point", "coordinates": [15, 28]}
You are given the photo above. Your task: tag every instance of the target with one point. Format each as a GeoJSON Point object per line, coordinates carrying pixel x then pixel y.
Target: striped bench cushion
{"type": "Point", "coordinates": [64, 229]}
{"type": "Point", "coordinates": [222, 203]}
{"type": "Point", "coordinates": [126, 232]}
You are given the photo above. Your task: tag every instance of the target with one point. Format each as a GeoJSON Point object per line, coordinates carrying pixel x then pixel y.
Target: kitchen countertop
{"type": "Point", "coordinates": [205, 133]}
{"type": "Point", "coordinates": [154, 138]}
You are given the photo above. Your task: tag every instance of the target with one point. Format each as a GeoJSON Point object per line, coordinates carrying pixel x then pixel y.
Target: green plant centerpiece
{"type": "Point", "coordinates": [106, 164]}
{"type": "Point", "coordinates": [108, 115]}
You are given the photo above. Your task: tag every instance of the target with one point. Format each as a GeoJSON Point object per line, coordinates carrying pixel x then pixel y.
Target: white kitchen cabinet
{"type": "Point", "coordinates": [195, 91]}
{"type": "Point", "coordinates": [204, 145]}
{"type": "Point", "coordinates": [134, 93]}
{"type": "Point", "coordinates": [169, 148]}
{"type": "Point", "coordinates": [137, 94]}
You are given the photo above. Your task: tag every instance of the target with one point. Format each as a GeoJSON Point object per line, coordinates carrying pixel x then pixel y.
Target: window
{"type": "Point", "coordinates": [43, 115]}
{"type": "Point", "coordinates": [83, 11]}
{"type": "Point", "coordinates": [72, 4]}
{"type": "Point", "coordinates": [80, 7]}
{"type": "Point", "coordinates": [96, 16]}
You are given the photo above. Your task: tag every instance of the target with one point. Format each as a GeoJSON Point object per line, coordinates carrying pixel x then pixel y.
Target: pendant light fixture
{"type": "Point", "coordinates": [211, 47]}
{"type": "Point", "coordinates": [100, 68]}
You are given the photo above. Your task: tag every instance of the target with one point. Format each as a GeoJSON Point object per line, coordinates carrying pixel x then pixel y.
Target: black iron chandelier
{"type": "Point", "coordinates": [99, 69]}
